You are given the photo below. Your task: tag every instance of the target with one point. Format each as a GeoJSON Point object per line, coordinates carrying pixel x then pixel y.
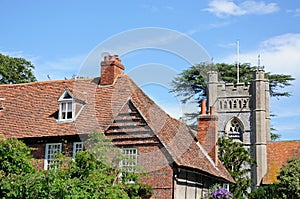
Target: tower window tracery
{"type": "Point", "coordinates": [234, 129]}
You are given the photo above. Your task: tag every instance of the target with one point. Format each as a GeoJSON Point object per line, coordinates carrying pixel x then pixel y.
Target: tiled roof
{"type": "Point", "coordinates": [277, 155]}
{"type": "Point", "coordinates": [31, 110]}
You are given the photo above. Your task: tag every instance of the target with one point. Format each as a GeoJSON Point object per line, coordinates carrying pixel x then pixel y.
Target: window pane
{"type": "Point", "coordinates": [51, 150]}
{"type": "Point", "coordinates": [66, 111]}
{"type": "Point", "coordinates": [69, 106]}
{"type": "Point", "coordinates": [77, 146]}
{"type": "Point", "coordinates": [63, 107]}
{"type": "Point", "coordinates": [69, 115]}
{"type": "Point", "coordinates": [130, 161]}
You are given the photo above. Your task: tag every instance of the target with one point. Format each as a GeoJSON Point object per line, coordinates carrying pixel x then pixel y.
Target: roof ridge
{"type": "Point", "coordinates": [45, 82]}
{"type": "Point", "coordinates": [283, 141]}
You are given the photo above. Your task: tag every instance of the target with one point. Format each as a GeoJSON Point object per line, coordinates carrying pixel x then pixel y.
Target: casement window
{"type": "Point", "coordinates": [66, 107]}
{"type": "Point", "coordinates": [226, 186]}
{"type": "Point", "coordinates": [129, 163]}
{"type": "Point", "coordinates": [51, 150]}
{"type": "Point", "coordinates": [77, 146]}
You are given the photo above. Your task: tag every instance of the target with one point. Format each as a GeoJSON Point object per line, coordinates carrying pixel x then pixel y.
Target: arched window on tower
{"type": "Point", "coordinates": [234, 129]}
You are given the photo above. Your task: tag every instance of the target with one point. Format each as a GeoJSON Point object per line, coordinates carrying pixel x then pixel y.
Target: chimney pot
{"type": "Point", "coordinates": [212, 110]}
{"type": "Point", "coordinates": [207, 133]}
{"type": "Point", "coordinates": [111, 68]}
{"type": "Point", "coordinates": [203, 107]}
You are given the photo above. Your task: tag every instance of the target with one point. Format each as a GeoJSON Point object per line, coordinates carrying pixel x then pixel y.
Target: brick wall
{"type": "Point", "coordinates": [111, 67]}
{"type": "Point", "coordinates": [207, 133]}
{"type": "Point", "coordinates": [39, 146]}
{"type": "Point", "coordinates": [160, 172]}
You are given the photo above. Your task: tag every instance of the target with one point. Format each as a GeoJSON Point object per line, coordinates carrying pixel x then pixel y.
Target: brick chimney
{"type": "Point", "coordinates": [207, 133]}
{"type": "Point", "coordinates": [111, 68]}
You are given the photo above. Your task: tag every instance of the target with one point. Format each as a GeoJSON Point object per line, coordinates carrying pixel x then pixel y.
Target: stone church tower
{"type": "Point", "coordinates": [244, 115]}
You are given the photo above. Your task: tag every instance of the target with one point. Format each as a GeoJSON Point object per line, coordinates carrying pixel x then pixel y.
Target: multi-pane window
{"type": "Point", "coordinates": [77, 146]}
{"type": "Point", "coordinates": [66, 107]}
{"type": "Point", "coordinates": [51, 150]}
{"type": "Point", "coordinates": [226, 186]}
{"type": "Point", "coordinates": [66, 110]}
{"type": "Point", "coordinates": [129, 163]}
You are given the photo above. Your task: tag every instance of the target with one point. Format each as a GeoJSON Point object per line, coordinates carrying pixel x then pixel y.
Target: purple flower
{"type": "Point", "coordinates": [219, 193]}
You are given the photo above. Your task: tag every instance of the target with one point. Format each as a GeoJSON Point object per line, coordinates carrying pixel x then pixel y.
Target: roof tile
{"type": "Point", "coordinates": [277, 155]}
{"type": "Point", "coordinates": [31, 110]}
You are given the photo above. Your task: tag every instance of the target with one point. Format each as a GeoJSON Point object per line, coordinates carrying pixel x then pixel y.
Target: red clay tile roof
{"type": "Point", "coordinates": [277, 155]}
{"type": "Point", "coordinates": [31, 110]}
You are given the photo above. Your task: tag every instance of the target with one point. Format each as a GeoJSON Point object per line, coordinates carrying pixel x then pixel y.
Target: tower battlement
{"type": "Point", "coordinates": [244, 114]}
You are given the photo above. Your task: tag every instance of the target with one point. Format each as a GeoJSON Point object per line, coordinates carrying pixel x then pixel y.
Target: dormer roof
{"type": "Point", "coordinates": [31, 111]}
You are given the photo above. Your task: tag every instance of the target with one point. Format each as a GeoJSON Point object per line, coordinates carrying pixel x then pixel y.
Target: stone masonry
{"type": "Point", "coordinates": [244, 115]}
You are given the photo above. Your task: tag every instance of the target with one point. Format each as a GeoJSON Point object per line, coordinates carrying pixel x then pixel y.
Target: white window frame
{"type": "Point", "coordinates": [66, 103]}
{"type": "Point", "coordinates": [132, 156]}
{"type": "Point", "coordinates": [76, 149]}
{"type": "Point", "coordinates": [226, 186]}
{"type": "Point", "coordinates": [49, 156]}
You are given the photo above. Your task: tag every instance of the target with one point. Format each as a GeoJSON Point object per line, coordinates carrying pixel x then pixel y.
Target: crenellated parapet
{"type": "Point", "coordinates": [244, 114]}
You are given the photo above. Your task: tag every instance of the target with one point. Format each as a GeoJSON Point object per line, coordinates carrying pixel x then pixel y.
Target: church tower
{"type": "Point", "coordinates": [244, 115]}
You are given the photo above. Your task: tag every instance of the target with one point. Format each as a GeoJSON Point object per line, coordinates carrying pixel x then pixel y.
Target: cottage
{"type": "Point", "coordinates": [58, 115]}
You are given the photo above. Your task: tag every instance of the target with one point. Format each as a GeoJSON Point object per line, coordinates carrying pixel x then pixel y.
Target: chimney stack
{"type": "Point", "coordinates": [207, 133]}
{"type": "Point", "coordinates": [111, 68]}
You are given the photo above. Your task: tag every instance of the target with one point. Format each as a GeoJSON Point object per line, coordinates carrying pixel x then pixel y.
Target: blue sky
{"type": "Point", "coordinates": [57, 36]}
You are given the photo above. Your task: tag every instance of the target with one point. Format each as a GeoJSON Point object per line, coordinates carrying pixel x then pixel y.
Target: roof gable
{"type": "Point", "coordinates": [129, 123]}
{"type": "Point", "coordinates": [106, 108]}
{"type": "Point", "coordinates": [66, 95]}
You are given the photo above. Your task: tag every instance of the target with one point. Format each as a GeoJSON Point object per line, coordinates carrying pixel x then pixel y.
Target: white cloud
{"type": "Point", "coordinates": [206, 27]}
{"type": "Point", "coordinates": [155, 8]}
{"type": "Point", "coordinates": [223, 8]}
{"type": "Point", "coordinates": [21, 54]}
{"type": "Point", "coordinates": [279, 54]}
{"type": "Point", "coordinates": [295, 12]}
{"type": "Point", "coordinates": [59, 69]}
{"type": "Point", "coordinates": [56, 69]}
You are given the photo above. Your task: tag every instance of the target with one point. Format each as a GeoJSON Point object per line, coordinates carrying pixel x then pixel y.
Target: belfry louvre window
{"type": "Point", "coordinates": [129, 162]}
{"type": "Point", "coordinates": [51, 150]}
{"type": "Point", "coordinates": [66, 107]}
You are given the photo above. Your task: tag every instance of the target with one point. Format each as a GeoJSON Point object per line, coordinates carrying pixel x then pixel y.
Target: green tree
{"type": "Point", "coordinates": [87, 177]}
{"type": "Point", "coordinates": [15, 157]}
{"type": "Point", "coordinates": [288, 185]}
{"type": "Point", "coordinates": [238, 162]}
{"type": "Point", "coordinates": [190, 84]}
{"type": "Point", "coordinates": [265, 192]}
{"type": "Point", "coordinates": [15, 70]}
{"type": "Point", "coordinates": [289, 180]}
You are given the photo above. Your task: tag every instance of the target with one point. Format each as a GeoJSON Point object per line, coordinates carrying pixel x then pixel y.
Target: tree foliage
{"type": "Point", "coordinates": [289, 180]}
{"type": "Point", "coordinates": [265, 192]}
{"type": "Point", "coordinates": [86, 177]}
{"type": "Point", "coordinates": [192, 82]}
{"type": "Point", "coordinates": [15, 157]}
{"type": "Point", "coordinates": [287, 187]}
{"type": "Point", "coordinates": [238, 162]}
{"type": "Point", "coordinates": [15, 70]}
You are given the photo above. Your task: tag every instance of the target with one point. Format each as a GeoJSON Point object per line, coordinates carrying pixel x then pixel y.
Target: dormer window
{"type": "Point", "coordinates": [66, 107]}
